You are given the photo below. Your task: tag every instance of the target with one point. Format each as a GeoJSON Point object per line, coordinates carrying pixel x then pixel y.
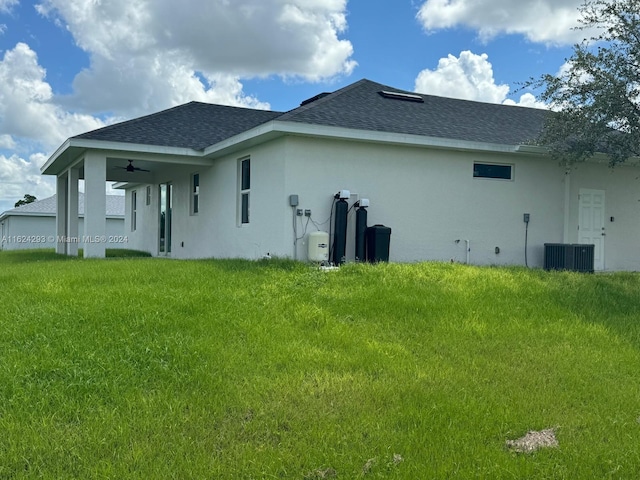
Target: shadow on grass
{"type": "Point", "coordinates": [125, 253]}
{"type": "Point", "coordinates": [49, 254]}
{"type": "Point", "coordinates": [32, 255]}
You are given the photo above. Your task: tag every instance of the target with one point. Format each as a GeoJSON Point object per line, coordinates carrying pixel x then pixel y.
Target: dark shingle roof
{"type": "Point", "coordinates": [193, 125]}
{"type": "Point", "coordinates": [360, 106]}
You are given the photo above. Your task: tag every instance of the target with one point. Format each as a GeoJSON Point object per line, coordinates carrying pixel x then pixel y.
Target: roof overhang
{"type": "Point", "coordinates": [275, 128]}
{"type": "Point", "coordinates": [601, 158]}
{"type": "Point", "coordinates": [71, 152]}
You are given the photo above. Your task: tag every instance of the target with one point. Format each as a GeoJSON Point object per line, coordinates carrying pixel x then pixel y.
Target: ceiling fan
{"type": "Point", "coordinates": [131, 168]}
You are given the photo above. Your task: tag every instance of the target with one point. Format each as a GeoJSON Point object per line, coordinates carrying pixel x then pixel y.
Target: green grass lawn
{"type": "Point", "coordinates": [219, 369]}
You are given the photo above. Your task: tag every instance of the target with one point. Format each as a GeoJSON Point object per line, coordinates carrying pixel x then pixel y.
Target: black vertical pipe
{"type": "Point", "coordinates": [361, 230]}
{"type": "Point", "coordinates": [340, 235]}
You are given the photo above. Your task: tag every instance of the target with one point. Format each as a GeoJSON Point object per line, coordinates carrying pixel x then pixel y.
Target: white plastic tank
{"type": "Point", "coordinates": [318, 247]}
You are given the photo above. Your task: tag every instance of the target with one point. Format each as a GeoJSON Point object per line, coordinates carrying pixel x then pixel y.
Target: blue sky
{"type": "Point", "coordinates": [69, 66]}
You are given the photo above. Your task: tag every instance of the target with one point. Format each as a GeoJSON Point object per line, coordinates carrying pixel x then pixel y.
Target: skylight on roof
{"type": "Point", "coordinates": [410, 97]}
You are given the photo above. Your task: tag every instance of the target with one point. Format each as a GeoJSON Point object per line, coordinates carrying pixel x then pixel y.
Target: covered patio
{"type": "Point", "coordinates": [97, 163]}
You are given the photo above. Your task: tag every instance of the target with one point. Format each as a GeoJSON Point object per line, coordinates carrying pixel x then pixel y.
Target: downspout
{"type": "Point", "coordinates": [567, 205]}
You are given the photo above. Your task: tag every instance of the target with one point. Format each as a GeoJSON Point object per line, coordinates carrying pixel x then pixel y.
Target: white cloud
{"type": "Point", "coordinates": [5, 5]}
{"type": "Point", "coordinates": [7, 142]}
{"type": "Point", "coordinates": [27, 107]}
{"type": "Point", "coordinates": [543, 21]}
{"type": "Point", "coordinates": [19, 177]}
{"type": "Point", "coordinates": [469, 77]}
{"type": "Point", "coordinates": [30, 122]}
{"type": "Point", "coordinates": [153, 55]}
{"type": "Point", "coordinates": [527, 100]}
{"type": "Point", "coordinates": [132, 87]}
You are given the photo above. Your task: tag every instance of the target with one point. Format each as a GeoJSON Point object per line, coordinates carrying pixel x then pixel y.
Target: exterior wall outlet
{"type": "Point", "coordinates": [299, 212]}
{"type": "Point", "coordinates": [307, 213]}
{"type": "Point", "coordinates": [526, 218]}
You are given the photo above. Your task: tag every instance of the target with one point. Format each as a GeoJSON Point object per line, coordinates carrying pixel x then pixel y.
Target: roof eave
{"type": "Point", "coordinates": [393, 138]}
{"type": "Point", "coordinates": [276, 128]}
{"type": "Point", "coordinates": [596, 158]}
{"type": "Point", "coordinates": [254, 136]}
{"type": "Point", "coordinates": [62, 150]}
{"type": "Point", "coordinates": [71, 149]}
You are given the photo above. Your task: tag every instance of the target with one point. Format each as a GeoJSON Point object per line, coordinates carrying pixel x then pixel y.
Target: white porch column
{"type": "Point", "coordinates": [95, 204]}
{"type": "Point", "coordinates": [72, 212]}
{"type": "Point", "coordinates": [61, 213]}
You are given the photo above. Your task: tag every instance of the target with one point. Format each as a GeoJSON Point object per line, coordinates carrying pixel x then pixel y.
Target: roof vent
{"type": "Point", "coordinates": [409, 97]}
{"type": "Point", "coordinates": [313, 99]}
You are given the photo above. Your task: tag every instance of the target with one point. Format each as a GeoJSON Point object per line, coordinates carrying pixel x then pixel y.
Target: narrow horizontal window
{"type": "Point", "coordinates": [491, 170]}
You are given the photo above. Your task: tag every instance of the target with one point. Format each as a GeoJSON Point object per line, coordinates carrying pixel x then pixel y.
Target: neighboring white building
{"type": "Point", "coordinates": [34, 225]}
{"type": "Point", "coordinates": [451, 178]}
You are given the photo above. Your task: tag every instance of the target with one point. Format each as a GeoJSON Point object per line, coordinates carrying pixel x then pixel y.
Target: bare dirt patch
{"type": "Point", "coordinates": [533, 441]}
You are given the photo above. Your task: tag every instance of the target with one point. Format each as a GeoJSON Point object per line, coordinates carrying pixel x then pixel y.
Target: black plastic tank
{"type": "Point", "coordinates": [378, 240]}
{"type": "Point", "coordinates": [340, 235]}
{"type": "Point", "coordinates": [361, 234]}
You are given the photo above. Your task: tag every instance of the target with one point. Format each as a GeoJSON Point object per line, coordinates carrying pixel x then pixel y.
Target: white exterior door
{"type": "Point", "coordinates": [591, 229]}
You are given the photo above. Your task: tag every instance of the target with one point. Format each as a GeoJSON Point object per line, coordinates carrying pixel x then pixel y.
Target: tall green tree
{"type": "Point", "coordinates": [27, 199]}
{"type": "Point", "coordinates": [597, 94]}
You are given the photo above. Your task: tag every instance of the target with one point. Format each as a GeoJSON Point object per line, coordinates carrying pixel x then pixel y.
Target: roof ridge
{"type": "Point", "coordinates": [331, 96]}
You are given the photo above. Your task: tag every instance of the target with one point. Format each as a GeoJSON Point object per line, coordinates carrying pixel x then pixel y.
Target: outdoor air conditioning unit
{"type": "Point", "coordinates": [569, 256]}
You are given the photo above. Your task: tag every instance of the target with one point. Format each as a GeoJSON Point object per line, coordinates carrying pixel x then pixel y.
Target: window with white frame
{"type": "Point", "coordinates": [244, 189]}
{"type": "Point", "coordinates": [134, 210]}
{"type": "Point", "coordinates": [195, 193]}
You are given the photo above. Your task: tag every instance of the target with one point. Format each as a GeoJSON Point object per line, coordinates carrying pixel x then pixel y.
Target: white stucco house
{"type": "Point", "coordinates": [453, 179]}
{"type": "Point", "coordinates": [34, 225]}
